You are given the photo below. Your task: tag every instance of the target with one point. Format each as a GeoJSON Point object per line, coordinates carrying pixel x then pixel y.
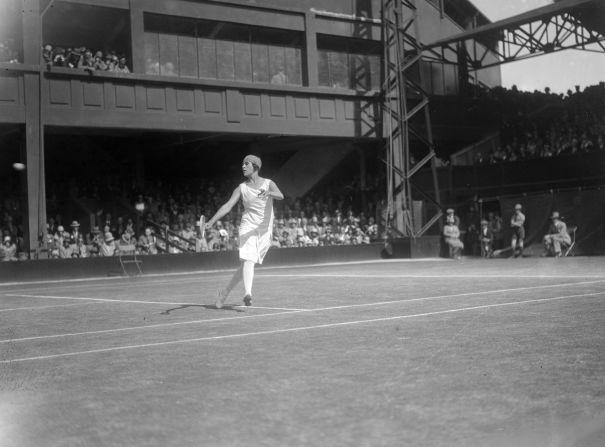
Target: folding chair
{"type": "Point", "coordinates": [572, 234]}
{"type": "Point", "coordinates": [128, 255]}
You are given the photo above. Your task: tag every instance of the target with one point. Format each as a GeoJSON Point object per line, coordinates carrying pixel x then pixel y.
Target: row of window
{"type": "Point", "coordinates": [215, 50]}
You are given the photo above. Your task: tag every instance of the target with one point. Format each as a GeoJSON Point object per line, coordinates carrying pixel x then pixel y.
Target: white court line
{"type": "Point", "coordinates": [270, 308]}
{"type": "Point", "coordinates": [297, 329]}
{"type": "Point", "coordinates": [109, 300]}
{"type": "Point", "coordinates": [230, 270]}
{"type": "Point", "coordinates": [322, 309]}
{"type": "Point", "coordinates": [47, 307]}
{"type": "Point", "coordinates": [105, 300]}
{"type": "Point", "coordinates": [408, 276]}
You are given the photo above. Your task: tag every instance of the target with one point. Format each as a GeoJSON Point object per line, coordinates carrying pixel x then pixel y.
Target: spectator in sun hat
{"type": "Point", "coordinates": [557, 236]}
{"type": "Point", "coordinates": [108, 246]}
{"type": "Point", "coordinates": [517, 224]}
{"type": "Point", "coordinates": [8, 249]}
{"type": "Point", "coordinates": [450, 212]}
{"type": "Point", "coordinates": [75, 231]}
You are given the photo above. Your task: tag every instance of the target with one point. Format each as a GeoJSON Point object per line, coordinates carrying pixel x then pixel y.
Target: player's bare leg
{"type": "Point", "coordinates": [248, 274]}
{"type": "Point", "coordinates": [224, 293]}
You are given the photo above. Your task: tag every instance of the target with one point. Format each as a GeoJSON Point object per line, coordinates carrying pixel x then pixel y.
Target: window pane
{"type": "Point", "coordinates": [451, 79]}
{"type": "Point", "coordinates": [360, 72]}
{"type": "Point", "coordinates": [277, 65]}
{"type": "Point", "coordinates": [152, 53]}
{"type": "Point", "coordinates": [187, 57]}
{"type": "Point", "coordinates": [243, 61]}
{"type": "Point", "coordinates": [375, 71]}
{"type": "Point", "coordinates": [260, 63]}
{"type": "Point", "coordinates": [437, 78]}
{"type": "Point", "coordinates": [294, 66]}
{"type": "Point", "coordinates": [339, 68]}
{"type": "Point", "coordinates": [323, 68]}
{"type": "Point", "coordinates": [207, 57]}
{"type": "Point", "coordinates": [168, 55]}
{"type": "Point", "coordinates": [225, 67]}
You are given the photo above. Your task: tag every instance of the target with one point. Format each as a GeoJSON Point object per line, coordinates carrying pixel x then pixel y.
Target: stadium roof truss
{"type": "Point", "coordinates": [566, 24]}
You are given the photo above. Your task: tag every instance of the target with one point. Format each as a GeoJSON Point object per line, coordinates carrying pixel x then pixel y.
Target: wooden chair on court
{"type": "Point", "coordinates": [572, 233]}
{"type": "Point", "coordinates": [128, 255]}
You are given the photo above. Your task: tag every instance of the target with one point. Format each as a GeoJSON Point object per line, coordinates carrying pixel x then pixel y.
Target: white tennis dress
{"type": "Point", "coordinates": [256, 227]}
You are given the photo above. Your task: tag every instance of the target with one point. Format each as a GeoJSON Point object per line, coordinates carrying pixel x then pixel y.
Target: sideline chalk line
{"type": "Point", "coordinates": [297, 329]}
{"type": "Point", "coordinates": [212, 272]}
{"type": "Point", "coordinates": [294, 311]}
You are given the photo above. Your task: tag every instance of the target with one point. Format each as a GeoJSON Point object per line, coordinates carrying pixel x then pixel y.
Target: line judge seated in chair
{"type": "Point", "coordinates": [557, 236]}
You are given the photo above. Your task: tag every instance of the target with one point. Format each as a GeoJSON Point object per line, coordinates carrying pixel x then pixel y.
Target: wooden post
{"type": "Point", "coordinates": [34, 222]}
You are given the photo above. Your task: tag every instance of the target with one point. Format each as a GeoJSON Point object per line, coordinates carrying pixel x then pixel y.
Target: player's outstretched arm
{"type": "Point", "coordinates": [225, 208]}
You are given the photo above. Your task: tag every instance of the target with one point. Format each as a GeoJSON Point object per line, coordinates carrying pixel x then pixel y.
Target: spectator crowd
{"type": "Point", "coordinates": [542, 125]}
{"type": "Point", "coordinates": [84, 58]}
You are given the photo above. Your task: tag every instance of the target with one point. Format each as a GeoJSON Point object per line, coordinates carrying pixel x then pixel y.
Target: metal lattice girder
{"type": "Point", "coordinates": [405, 104]}
{"type": "Point", "coordinates": [561, 26]}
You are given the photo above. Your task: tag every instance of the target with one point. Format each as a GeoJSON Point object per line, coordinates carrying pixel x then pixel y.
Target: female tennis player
{"type": "Point", "coordinates": [255, 230]}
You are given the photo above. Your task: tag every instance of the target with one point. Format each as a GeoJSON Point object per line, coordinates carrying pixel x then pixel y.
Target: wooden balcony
{"type": "Point", "coordinates": [75, 98]}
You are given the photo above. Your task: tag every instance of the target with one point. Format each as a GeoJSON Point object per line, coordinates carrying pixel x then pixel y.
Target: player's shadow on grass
{"type": "Point", "coordinates": [205, 306]}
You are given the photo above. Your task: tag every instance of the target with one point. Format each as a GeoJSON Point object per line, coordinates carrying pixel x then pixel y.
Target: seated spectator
{"type": "Point", "coordinates": [121, 67]}
{"type": "Point", "coordinates": [8, 250]}
{"type": "Point", "coordinates": [67, 250]}
{"type": "Point", "coordinates": [82, 250]}
{"type": "Point", "coordinates": [148, 244]}
{"type": "Point", "coordinates": [279, 78]}
{"type": "Point", "coordinates": [94, 241]}
{"type": "Point", "coordinates": [451, 234]}
{"type": "Point", "coordinates": [99, 62]}
{"type": "Point", "coordinates": [125, 244]}
{"type": "Point", "coordinates": [486, 239]}
{"type": "Point", "coordinates": [87, 62]}
{"type": "Point", "coordinates": [557, 237]}
{"type": "Point", "coordinates": [59, 57]}
{"type": "Point", "coordinates": [108, 247]}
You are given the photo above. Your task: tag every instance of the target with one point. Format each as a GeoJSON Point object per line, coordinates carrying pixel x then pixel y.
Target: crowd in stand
{"type": "Point", "coordinates": [165, 220]}
{"type": "Point", "coordinates": [542, 125]}
{"type": "Point", "coordinates": [84, 58]}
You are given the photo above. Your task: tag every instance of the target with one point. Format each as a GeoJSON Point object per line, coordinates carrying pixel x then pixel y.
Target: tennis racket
{"type": "Point", "coordinates": [203, 226]}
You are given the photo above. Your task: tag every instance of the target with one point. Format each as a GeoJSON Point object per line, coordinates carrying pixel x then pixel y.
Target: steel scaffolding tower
{"type": "Point", "coordinates": [406, 118]}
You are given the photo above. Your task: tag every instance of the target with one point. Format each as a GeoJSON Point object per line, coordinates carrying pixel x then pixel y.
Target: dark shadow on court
{"type": "Point", "coordinates": [205, 306]}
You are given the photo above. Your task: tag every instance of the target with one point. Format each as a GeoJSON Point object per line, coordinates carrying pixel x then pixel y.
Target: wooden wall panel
{"type": "Point", "coordinates": [252, 105]}
{"type": "Point", "coordinates": [213, 102]}
{"type": "Point", "coordinates": [302, 108]}
{"type": "Point", "coordinates": [185, 100]}
{"type": "Point", "coordinates": [277, 106]}
{"type": "Point", "coordinates": [327, 109]}
{"type": "Point", "coordinates": [124, 95]}
{"type": "Point", "coordinates": [59, 92]}
{"type": "Point", "coordinates": [92, 94]}
{"type": "Point", "coordinates": [189, 106]}
{"type": "Point", "coordinates": [156, 98]}
{"type": "Point", "coordinates": [9, 89]}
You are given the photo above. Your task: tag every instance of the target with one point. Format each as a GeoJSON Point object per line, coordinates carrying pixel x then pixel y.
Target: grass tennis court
{"type": "Point", "coordinates": [386, 353]}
